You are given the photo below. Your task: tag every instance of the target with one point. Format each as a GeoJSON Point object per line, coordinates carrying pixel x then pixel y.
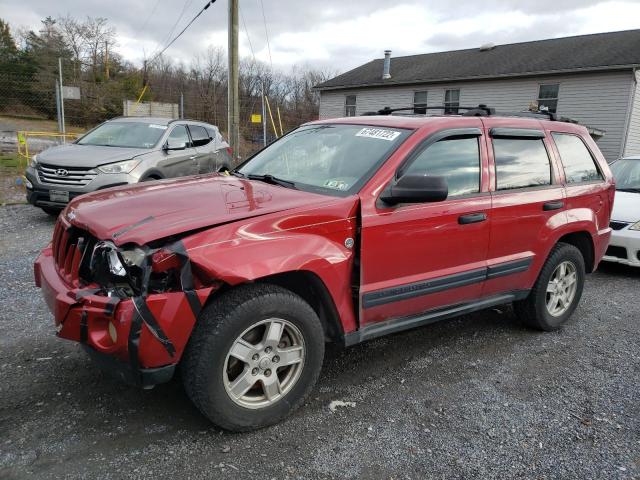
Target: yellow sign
{"type": "Point", "coordinates": [256, 118]}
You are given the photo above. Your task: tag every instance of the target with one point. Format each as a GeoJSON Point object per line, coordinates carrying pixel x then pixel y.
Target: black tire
{"type": "Point", "coordinates": [54, 212]}
{"type": "Point", "coordinates": [219, 325]}
{"type": "Point", "coordinates": [150, 178]}
{"type": "Point", "coordinates": [533, 311]}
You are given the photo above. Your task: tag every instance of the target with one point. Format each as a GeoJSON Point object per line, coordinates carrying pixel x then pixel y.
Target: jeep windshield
{"type": "Point", "coordinates": [331, 159]}
{"type": "Point", "coordinates": [124, 134]}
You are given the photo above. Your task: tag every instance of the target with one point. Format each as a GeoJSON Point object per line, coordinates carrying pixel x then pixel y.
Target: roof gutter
{"type": "Point", "coordinates": [479, 77]}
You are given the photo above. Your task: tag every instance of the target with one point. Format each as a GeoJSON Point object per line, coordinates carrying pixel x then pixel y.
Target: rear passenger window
{"type": "Point", "coordinates": [576, 159]}
{"type": "Point", "coordinates": [458, 160]}
{"type": "Point", "coordinates": [521, 163]}
{"type": "Point", "coordinates": [199, 135]}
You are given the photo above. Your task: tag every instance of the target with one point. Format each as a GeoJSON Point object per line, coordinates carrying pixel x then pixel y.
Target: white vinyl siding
{"type": "Point", "coordinates": [598, 100]}
{"type": "Point", "coordinates": [633, 136]}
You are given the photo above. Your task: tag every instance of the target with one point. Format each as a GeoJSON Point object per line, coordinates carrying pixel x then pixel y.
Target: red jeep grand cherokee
{"type": "Point", "coordinates": [343, 230]}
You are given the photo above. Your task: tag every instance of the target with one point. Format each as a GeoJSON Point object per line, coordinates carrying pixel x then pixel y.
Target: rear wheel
{"type": "Point", "coordinates": [254, 356]}
{"type": "Point", "coordinates": [557, 290]}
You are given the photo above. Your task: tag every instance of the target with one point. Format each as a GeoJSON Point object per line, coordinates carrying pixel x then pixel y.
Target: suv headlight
{"type": "Point", "coordinates": [635, 226]}
{"type": "Point", "coordinates": [34, 161]}
{"type": "Point", "coordinates": [119, 167]}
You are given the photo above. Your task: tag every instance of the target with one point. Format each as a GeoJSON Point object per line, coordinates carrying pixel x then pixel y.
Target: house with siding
{"type": "Point", "coordinates": [592, 79]}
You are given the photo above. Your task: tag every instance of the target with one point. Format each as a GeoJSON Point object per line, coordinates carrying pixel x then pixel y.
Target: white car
{"type": "Point", "coordinates": [625, 219]}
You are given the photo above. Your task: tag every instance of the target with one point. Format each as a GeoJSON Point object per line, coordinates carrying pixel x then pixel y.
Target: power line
{"type": "Point", "coordinates": [266, 32]}
{"type": "Point", "coordinates": [153, 10]}
{"type": "Point", "coordinates": [185, 6]}
{"type": "Point", "coordinates": [207, 5]}
{"type": "Point", "coordinates": [246, 32]}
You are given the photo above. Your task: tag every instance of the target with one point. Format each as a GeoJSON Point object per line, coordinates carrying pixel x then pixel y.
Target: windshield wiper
{"type": "Point", "coordinates": [629, 189]}
{"type": "Point", "coordinates": [267, 178]}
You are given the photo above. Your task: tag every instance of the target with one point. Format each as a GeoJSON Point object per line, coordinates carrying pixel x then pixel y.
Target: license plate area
{"type": "Point", "coordinates": [59, 196]}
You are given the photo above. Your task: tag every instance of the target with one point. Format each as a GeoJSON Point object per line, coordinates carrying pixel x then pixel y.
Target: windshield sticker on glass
{"type": "Point", "coordinates": [161, 127]}
{"type": "Point", "coordinates": [337, 184]}
{"type": "Point", "coordinates": [380, 133]}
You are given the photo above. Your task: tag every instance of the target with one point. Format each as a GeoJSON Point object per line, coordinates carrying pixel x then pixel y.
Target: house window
{"type": "Point", "coordinates": [451, 101]}
{"type": "Point", "coordinates": [548, 96]}
{"type": "Point", "coordinates": [350, 106]}
{"type": "Point", "coordinates": [420, 102]}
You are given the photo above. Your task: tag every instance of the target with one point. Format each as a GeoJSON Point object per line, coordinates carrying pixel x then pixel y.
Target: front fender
{"type": "Point", "coordinates": [249, 250]}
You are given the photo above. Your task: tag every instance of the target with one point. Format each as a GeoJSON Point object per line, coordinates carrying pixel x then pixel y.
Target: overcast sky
{"type": "Point", "coordinates": [335, 34]}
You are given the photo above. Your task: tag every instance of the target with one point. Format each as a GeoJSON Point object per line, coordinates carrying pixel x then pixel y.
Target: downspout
{"type": "Point", "coordinates": [627, 122]}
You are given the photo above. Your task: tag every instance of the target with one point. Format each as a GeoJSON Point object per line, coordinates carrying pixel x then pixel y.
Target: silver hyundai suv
{"type": "Point", "coordinates": [123, 151]}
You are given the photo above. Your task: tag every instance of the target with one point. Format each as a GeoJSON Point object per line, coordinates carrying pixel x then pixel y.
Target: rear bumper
{"type": "Point", "coordinates": [103, 324]}
{"type": "Point", "coordinates": [624, 247]}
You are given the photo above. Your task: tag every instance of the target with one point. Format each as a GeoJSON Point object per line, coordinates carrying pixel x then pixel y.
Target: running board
{"type": "Point", "coordinates": [405, 323]}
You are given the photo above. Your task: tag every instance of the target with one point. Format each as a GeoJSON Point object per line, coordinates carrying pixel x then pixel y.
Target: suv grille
{"type": "Point", "coordinates": [75, 176]}
{"type": "Point", "coordinates": [615, 251]}
{"type": "Point", "coordinates": [618, 225]}
{"type": "Point", "coordinates": [68, 246]}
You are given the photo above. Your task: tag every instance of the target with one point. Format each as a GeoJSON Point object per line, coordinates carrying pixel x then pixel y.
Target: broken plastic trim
{"type": "Point", "coordinates": [142, 314]}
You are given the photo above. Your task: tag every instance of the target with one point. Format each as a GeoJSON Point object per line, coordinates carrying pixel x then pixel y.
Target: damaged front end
{"type": "Point", "coordinates": [132, 307]}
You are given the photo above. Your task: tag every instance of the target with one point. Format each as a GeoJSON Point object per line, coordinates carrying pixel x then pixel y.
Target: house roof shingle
{"type": "Point", "coordinates": [581, 53]}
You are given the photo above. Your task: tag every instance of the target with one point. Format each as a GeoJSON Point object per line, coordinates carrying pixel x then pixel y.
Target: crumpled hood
{"type": "Point", "coordinates": [150, 211]}
{"type": "Point", "coordinates": [90, 156]}
{"type": "Point", "coordinates": [626, 207]}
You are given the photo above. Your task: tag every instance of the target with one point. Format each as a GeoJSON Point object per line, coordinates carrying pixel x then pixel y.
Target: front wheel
{"type": "Point", "coordinates": [54, 212]}
{"type": "Point", "coordinates": [557, 290]}
{"type": "Point", "coordinates": [254, 356]}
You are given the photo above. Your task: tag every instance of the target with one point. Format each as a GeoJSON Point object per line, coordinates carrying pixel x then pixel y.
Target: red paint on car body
{"type": "Point", "coordinates": [237, 231]}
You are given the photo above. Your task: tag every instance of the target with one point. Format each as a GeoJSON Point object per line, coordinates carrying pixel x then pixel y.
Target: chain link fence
{"type": "Point", "coordinates": [28, 103]}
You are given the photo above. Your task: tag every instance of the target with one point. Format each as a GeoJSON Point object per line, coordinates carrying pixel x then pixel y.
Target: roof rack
{"type": "Point", "coordinates": [478, 111]}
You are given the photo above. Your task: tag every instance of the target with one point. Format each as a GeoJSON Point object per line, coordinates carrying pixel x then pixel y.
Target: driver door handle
{"type": "Point", "coordinates": [472, 218]}
{"type": "Point", "coordinates": [553, 205]}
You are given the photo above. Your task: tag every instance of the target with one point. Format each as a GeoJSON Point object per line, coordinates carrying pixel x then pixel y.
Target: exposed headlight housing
{"type": "Point", "coordinates": [119, 167]}
{"type": "Point", "coordinates": [33, 163]}
{"type": "Point", "coordinates": [635, 226]}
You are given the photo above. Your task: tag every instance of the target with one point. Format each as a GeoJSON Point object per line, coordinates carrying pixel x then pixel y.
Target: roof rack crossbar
{"type": "Point", "coordinates": [477, 111]}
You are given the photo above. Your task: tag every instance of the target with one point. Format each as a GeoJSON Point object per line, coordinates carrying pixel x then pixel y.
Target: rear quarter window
{"type": "Point", "coordinates": [577, 161]}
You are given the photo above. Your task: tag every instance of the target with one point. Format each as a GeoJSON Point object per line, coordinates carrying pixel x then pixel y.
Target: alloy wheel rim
{"type": "Point", "coordinates": [561, 289]}
{"type": "Point", "coordinates": [264, 363]}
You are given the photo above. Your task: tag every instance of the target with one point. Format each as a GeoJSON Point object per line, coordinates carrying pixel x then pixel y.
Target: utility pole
{"type": "Point", "coordinates": [61, 96]}
{"type": "Point", "coordinates": [233, 107]}
{"type": "Point", "coordinates": [264, 118]}
{"type": "Point", "coordinates": [106, 60]}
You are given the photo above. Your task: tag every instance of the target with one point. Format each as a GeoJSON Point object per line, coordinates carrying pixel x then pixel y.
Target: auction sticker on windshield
{"type": "Point", "coordinates": [160, 127]}
{"type": "Point", "coordinates": [379, 133]}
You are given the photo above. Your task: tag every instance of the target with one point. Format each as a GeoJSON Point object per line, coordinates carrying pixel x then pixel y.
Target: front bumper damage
{"type": "Point", "coordinates": [138, 339]}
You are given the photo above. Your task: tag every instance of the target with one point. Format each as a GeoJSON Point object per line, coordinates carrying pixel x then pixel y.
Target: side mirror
{"type": "Point", "coordinates": [416, 189]}
{"type": "Point", "coordinates": [173, 145]}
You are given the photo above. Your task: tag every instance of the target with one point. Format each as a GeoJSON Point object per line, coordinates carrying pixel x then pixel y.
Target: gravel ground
{"type": "Point", "coordinates": [475, 397]}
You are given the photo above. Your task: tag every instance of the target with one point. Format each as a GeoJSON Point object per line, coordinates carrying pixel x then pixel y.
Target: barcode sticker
{"type": "Point", "coordinates": [379, 133]}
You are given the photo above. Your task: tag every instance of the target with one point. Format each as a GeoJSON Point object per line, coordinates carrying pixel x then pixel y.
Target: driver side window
{"type": "Point", "coordinates": [456, 159]}
{"type": "Point", "coordinates": [179, 136]}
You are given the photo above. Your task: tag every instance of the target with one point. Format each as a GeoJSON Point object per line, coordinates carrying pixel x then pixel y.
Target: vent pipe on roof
{"type": "Point", "coordinates": [387, 65]}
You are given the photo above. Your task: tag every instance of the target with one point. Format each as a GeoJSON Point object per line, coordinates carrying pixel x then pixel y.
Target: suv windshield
{"type": "Point", "coordinates": [627, 175]}
{"type": "Point", "coordinates": [332, 159]}
{"type": "Point", "coordinates": [124, 134]}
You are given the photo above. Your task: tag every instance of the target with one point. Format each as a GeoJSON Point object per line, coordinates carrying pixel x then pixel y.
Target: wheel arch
{"type": "Point", "coordinates": [583, 241]}
{"type": "Point", "coordinates": [151, 173]}
{"type": "Point", "coordinates": [310, 287]}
